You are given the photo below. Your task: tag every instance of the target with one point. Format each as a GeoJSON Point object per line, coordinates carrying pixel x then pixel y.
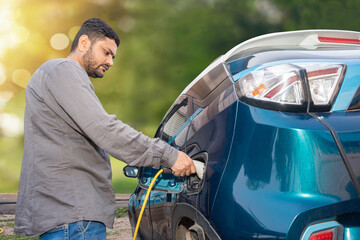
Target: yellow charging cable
{"type": "Point", "coordinates": [1, 230]}
{"type": "Point", "coordinates": [145, 202]}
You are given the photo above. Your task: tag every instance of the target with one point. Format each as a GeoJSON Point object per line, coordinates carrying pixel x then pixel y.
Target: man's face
{"type": "Point", "coordinates": [99, 57]}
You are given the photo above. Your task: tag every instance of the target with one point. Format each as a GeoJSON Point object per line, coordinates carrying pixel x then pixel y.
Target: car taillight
{"type": "Point", "coordinates": [323, 80]}
{"type": "Point", "coordinates": [329, 230]}
{"type": "Point", "coordinates": [323, 235]}
{"type": "Point", "coordinates": [281, 84]}
{"type": "Point", "coordinates": [285, 83]}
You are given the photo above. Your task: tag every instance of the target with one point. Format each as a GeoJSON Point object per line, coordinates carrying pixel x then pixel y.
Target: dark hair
{"type": "Point", "coordinates": [95, 29]}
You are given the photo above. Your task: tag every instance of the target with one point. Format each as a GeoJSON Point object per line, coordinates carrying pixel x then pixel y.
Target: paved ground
{"type": "Point", "coordinates": [121, 230]}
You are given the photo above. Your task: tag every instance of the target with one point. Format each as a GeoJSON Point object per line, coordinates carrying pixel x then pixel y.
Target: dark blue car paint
{"type": "Point", "coordinates": [265, 169]}
{"type": "Point", "coordinates": [343, 124]}
{"type": "Point", "coordinates": [278, 170]}
{"type": "Point", "coordinates": [269, 174]}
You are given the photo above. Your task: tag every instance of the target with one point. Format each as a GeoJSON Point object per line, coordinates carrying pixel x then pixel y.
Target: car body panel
{"type": "Point", "coordinates": [220, 127]}
{"type": "Point", "coordinates": [346, 213]}
{"type": "Point", "coordinates": [269, 173]}
{"type": "Point", "coordinates": [211, 125]}
{"type": "Point", "coordinates": [276, 161]}
{"type": "Point", "coordinates": [345, 126]}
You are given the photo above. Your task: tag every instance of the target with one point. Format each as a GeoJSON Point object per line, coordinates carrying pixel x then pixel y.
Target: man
{"type": "Point", "coordinates": [65, 189]}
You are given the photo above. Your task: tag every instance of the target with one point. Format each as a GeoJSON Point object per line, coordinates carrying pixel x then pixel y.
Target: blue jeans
{"type": "Point", "coordinates": [75, 231]}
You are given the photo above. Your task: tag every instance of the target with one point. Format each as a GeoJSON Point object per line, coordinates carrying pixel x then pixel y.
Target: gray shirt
{"type": "Point", "coordinates": [66, 172]}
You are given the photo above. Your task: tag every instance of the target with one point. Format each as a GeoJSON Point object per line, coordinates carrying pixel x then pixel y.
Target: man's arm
{"type": "Point", "coordinates": [72, 91]}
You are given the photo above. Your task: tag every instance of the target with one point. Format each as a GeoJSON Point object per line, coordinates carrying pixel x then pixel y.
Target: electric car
{"type": "Point", "coordinates": [275, 126]}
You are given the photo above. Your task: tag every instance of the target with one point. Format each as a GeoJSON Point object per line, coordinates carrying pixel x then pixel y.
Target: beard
{"type": "Point", "coordinates": [91, 67]}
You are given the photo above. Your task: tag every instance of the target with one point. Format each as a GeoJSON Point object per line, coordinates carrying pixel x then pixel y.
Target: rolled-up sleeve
{"type": "Point", "coordinates": [73, 92]}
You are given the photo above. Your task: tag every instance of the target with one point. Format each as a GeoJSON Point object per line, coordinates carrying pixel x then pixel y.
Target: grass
{"type": "Point", "coordinates": [7, 220]}
{"type": "Point", "coordinates": [11, 237]}
{"type": "Point", "coordinates": [10, 223]}
{"type": "Point", "coordinates": [121, 212]}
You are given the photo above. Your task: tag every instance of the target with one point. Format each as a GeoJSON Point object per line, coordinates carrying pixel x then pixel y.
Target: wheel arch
{"type": "Point", "coordinates": [185, 210]}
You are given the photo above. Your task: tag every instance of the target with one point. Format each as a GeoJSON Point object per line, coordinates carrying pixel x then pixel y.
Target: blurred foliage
{"type": "Point", "coordinates": [164, 45]}
{"type": "Point", "coordinates": [328, 14]}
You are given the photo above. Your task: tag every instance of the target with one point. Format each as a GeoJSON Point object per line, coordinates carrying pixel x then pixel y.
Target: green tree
{"type": "Point", "coordinates": [327, 14]}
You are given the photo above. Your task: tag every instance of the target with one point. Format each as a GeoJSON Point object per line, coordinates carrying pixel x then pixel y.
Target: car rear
{"type": "Point", "coordinates": [294, 168]}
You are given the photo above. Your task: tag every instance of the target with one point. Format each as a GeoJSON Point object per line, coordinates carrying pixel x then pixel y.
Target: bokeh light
{"type": "Point", "coordinates": [126, 23]}
{"type": "Point", "coordinates": [2, 74]}
{"type": "Point", "coordinates": [100, 2]}
{"type": "Point", "coordinates": [10, 125]}
{"type": "Point", "coordinates": [5, 96]}
{"type": "Point", "coordinates": [59, 41]}
{"type": "Point", "coordinates": [73, 31]}
{"type": "Point", "coordinates": [21, 77]}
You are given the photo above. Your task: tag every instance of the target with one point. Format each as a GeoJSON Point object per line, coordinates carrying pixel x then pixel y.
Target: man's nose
{"type": "Point", "coordinates": [110, 61]}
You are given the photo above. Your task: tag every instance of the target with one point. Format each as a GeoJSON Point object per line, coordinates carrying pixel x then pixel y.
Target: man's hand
{"type": "Point", "coordinates": [183, 165]}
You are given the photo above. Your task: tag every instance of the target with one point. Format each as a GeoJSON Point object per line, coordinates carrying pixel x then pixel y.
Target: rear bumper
{"type": "Point", "coordinates": [346, 214]}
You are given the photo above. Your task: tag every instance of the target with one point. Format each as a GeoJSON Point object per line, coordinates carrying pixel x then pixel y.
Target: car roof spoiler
{"type": "Point", "coordinates": [303, 38]}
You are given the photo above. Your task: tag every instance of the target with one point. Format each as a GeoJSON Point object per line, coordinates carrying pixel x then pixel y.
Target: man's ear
{"type": "Point", "coordinates": [84, 43]}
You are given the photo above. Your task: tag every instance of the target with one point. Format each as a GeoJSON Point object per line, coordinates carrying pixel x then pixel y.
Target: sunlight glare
{"type": "Point", "coordinates": [11, 34]}
{"type": "Point", "coordinates": [21, 33]}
